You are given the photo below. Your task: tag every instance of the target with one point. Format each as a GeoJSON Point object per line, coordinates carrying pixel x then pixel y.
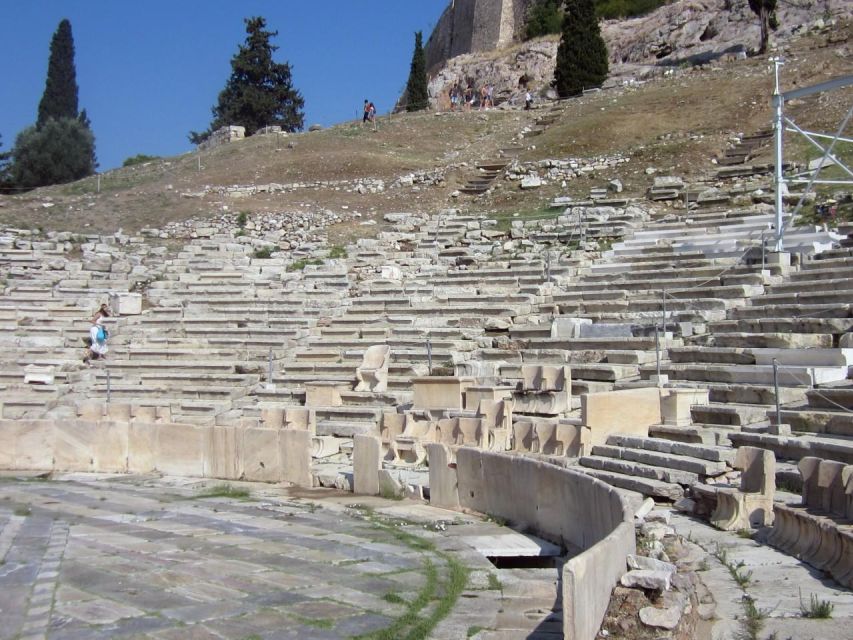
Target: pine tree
{"type": "Point", "coordinates": [60, 90]}
{"type": "Point", "coordinates": [417, 93]}
{"type": "Point", "coordinates": [582, 55]}
{"type": "Point", "coordinates": [766, 12]}
{"type": "Point", "coordinates": [260, 91]}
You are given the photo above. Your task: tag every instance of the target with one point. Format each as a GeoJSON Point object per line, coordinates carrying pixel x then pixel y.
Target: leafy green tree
{"type": "Point", "coordinates": [4, 167]}
{"type": "Point", "coordinates": [62, 150]}
{"type": "Point", "coordinates": [582, 54]}
{"type": "Point", "coordinates": [417, 92]}
{"type": "Point", "coordinates": [259, 91]}
{"type": "Point", "coordinates": [59, 99]}
{"type": "Point", "coordinates": [766, 12]}
{"type": "Point", "coordinates": [544, 18]}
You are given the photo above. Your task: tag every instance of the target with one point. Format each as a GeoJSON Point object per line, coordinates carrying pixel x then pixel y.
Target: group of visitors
{"type": "Point", "coordinates": [96, 341]}
{"type": "Point", "coordinates": [369, 116]}
{"type": "Point", "coordinates": [467, 98]}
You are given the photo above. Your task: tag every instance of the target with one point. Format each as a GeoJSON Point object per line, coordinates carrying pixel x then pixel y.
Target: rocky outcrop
{"type": "Point", "coordinates": [684, 32]}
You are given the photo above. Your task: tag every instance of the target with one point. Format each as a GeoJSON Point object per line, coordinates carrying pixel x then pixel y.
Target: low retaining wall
{"type": "Point", "coordinates": [228, 453]}
{"type": "Point", "coordinates": [564, 506]}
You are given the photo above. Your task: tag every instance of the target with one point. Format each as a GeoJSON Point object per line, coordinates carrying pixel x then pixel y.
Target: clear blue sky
{"type": "Point", "coordinates": [150, 71]}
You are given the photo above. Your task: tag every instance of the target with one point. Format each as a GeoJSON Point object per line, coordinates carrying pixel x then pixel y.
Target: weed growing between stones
{"type": "Point", "coordinates": [742, 579]}
{"type": "Point", "coordinates": [223, 491]}
{"type": "Point", "coordinates": [744, 533]}
{"type": "Point", "coordinates": [752, 621]}
{"type": "Point", "coordinates": [22, 512]}
{"type": "Point", "coordinates": [818, 609]}
{"type": "Point", "coordinates": [438, 594]}
{"type": "Point", "coordinates": [300, 265]}
{"type": "Point", "coordinates": [495, 583]}
{"type": "Point", "coordinates": [473, 631]}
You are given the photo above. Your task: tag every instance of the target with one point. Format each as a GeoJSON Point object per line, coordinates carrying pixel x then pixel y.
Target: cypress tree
{"type": "Point", "coordinates": [60, 90]}
{"type": "Point", "coordinates": [766, 12]}
{"type": "Point", "coordinates": [259, 91]}
{"type": "Point", "coordinates": [417, 93]}
{"type": "Point", "coordinates": [582, 55]}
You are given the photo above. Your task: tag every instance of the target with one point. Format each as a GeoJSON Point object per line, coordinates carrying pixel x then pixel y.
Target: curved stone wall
{"type": "Point", "coordinates": [566, 507]}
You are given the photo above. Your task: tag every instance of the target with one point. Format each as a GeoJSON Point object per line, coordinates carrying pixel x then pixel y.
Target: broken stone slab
{"type": "Point", "coordinates": [667, 618]}
{"type": "Point", "coordinates": [647, 579]}
{"type": "Point", "coordinates": [642, 562]}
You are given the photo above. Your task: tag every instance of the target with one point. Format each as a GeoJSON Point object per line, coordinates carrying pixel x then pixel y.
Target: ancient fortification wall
{"type": "Point", "coordinates": [469, 26]}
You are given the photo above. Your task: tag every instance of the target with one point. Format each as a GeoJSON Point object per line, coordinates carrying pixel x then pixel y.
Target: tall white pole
{"type": "Point", "coordinates": [778, 124]}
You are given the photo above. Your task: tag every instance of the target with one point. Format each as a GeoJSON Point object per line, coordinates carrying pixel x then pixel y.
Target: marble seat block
{"type": "Point", "coordinates": [628, 411]}
{"type": "Point", "coordinates": [323, 394]}
{"type": "Point", "coordinates": [408, 447]}
{"type": "Point", "coordinates": [751, 505]}
{"type": "Point", "coordinates": [391, 425]}
{"type": "Point", "coordinates": [372, 374]}
{"type": "Point", "coordinates": [443, 486]}
{"type": "Point", "coordinates": [460, 431]}
{"type": "Point", "coordinates": [675, 405]}
{"type": "Point", "coordinates": [497, 420]}
{"type": "Point", "coordinates": [818, 531]}
{"type": "Point", "coordinates": [544, 390]}
{"type": "Point", "coordinates": [440, 392]}
{"type": "Point", "coordinates": [475, 394]}
{"type": "Point", "coordinates": [522, 435]}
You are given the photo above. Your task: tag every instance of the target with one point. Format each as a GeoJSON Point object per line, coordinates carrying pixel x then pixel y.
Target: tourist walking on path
{"type": "Point", "coordinates": [528, 100]}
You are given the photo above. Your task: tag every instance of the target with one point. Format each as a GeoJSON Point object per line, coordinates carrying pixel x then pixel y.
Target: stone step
{"type": "Point", "coordinates": [638, 469]}
{"type": "Point", "coordinates": [771, 339]}
{"type": "Point", "coordinates": [666, 446]}
{"type": "Point", "coordinates": [786, 375]}
{"type": "Point", "coordinates": [798, 447]}
{"type": "Point", "coordinates": [809, 420]}
{"type": "Point", "coordinates": [646, 486]}
{"type": "Point", "coordinates": [733, 414]}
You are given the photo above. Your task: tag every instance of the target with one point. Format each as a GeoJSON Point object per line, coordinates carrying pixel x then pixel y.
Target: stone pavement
{"type": "Point", "coordinates": [777, 582]}
{"type": "Point", "coordinates": [90, 557]}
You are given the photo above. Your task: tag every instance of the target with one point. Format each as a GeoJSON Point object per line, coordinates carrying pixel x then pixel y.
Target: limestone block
{"type": "Point", "coordinates": [92, 410]}
{"type": "Point", "coordinates": [223, 452]}
{"type": "Point", "coordinates": [142, 446]}
{"type": "Point", "coordinates": [443, 488]}
{"type": "Point", "coordinates": [846, 341]}
{"type": "Point", "coordinates": [90, 446]}
{"type": "Point", "coordinates": [180, 450]}
{"type": "Point", "coordinates": [296, 457]}
{"type": "Point", "coordinates": [606, 330]}
{"type": "Point", "coordinates": [475, 394]}
{"type": "Point", "coordinates": [272, 417]}
{"type": "Point", "coordinates": [629, 411]}
{"type": "Point", "coordinates": [663, 618]}
{"type": "Point", "coordinates": [300, 418]}
{"type": "Point", "coordinates": [440, 392]}
{"type": "Point", "coordinates": [647, 579]}
{"type": "Point", "coordinates": [120, 411]}
{"type": "Point", "coordinates": [391, 272]}
{"type": "Point", "coordinates": [366, 462]}
{"type": "Point", "coordinates": [675, 405]}
{"type": "Point", "coordinates": [33, 445]}
{"type": "Point", "coordinates": [8, 443]}
{"type": "Point", "coordinates": [569, 328]}
{"type": "Point", "coordinates": [261, 455]}
{"type": "Point", "coordinates": [35, 374]}
{"type": "Point", "coordinates": [390, 485]}
{"type": "Point", "coordinates": [325, 446]}
{"type": "Point", "coordinates": [126, 304]}
{"type": "Point", "coordinates": [322, 394]}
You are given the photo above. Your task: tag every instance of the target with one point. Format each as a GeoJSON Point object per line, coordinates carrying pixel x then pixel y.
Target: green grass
{"type": "Point", "coordinates": [438, 594]}
{"type": "Point", "coordinates": [337, 252]}
{"type": "Point", "coordinates": [473, 631]}
{"type": "Point", "coordinates": [264, 253]}
{"type": "Point", "coordinates": [744, 533]}
{"type": "Point", "coordinates": [22, 512]}
{"type": "Point", "coordinates": [299, 265]}
{"type": "Point", "coordinates": [817, 609]}
{"type": "Point", "coordinates": [224, 491]}
{"type": "Point", "coordinates": [494, 583]}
